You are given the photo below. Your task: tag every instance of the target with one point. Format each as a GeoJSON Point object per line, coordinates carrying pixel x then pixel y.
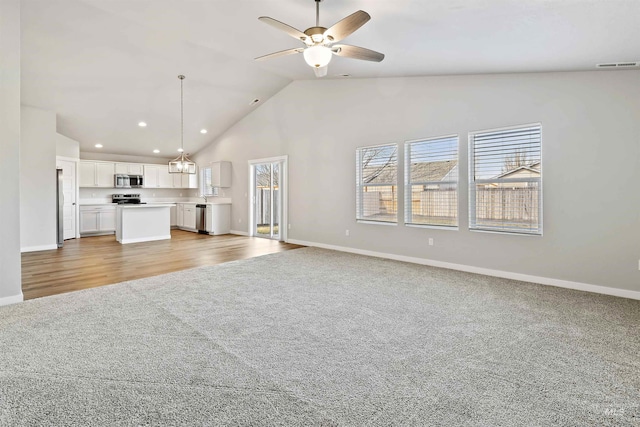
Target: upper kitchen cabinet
{"type": "Point", "coordinates": [96, 174]}
{"type": "Point", "coordinates": [185, 180]}
{"type": "Point", "coordinates": [221, 174]}
{"type": "Point", "coordinates": [129, 168]}
{"type": "Point", "coordinates": [158, 176]}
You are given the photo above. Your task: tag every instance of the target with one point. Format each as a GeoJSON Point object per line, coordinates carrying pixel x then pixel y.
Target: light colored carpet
{"type": "Point", "coordinates": [315, 337]}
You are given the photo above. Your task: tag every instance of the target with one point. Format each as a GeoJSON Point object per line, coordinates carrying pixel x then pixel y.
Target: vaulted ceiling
{"type": "Point", "coordinates": [105, 65]}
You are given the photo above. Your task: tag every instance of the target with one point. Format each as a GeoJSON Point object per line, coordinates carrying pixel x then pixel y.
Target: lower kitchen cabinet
{"type": "Point", "coordinates": [189, 216]}
{"type": "Point", "coordinates": [218, 217]}
{"type": "Point", "coordinates": [97, 219]}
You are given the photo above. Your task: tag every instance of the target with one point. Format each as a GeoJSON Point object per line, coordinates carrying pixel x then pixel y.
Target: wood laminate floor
{"type": "Point", "coordinates": [96, 261]}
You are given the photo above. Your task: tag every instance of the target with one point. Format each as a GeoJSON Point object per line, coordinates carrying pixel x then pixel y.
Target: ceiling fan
{"type": "Point", "coordinates": [319, 47]}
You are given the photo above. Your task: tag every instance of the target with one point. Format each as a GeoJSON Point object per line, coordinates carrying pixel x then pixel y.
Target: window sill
{"type": "Point", "coordinates": [433, 227]}
{"type": "Point", "coordinates": [364, 221]}
{"type": "Point", "coordinates": [511, 233]}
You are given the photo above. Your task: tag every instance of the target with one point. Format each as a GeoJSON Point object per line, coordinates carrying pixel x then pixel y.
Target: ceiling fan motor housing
{"type": "Point", "coordinates": [316, 35]}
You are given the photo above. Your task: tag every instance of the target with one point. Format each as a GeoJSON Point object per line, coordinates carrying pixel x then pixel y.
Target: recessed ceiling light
{"type": "Point", "coordinates": [203, 131]}
{"type": "Point", "coordinates": [156, 151]}
{"type": "Point", "coordinates": [180, 150]}
{"type": "Point", "coordinates": [98, 145]}
{"type": "Point", "coordinates": [142, 124]}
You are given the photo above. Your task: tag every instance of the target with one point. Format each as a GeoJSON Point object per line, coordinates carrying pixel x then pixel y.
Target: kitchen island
{"type": "Point", "coordinates": [143, 223]}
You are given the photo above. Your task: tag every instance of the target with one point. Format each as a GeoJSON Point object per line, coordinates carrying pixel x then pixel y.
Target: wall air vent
{"type": "Point", "coordinates": [618, 65]}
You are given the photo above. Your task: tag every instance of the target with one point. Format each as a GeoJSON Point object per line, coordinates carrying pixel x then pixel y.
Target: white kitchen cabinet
{"type": "Point", "coordinates": [97, 219]}
{"type": "Point", "coordinates": [129, 168]}
{"type": "Point", "coordinates": [152, 176]}
{"type": "Point", "coordinates": [189, 216]}
{"type": "Point", "coordinates": [164, 177]}
{"type": "Point", "coordinates": [218, 218]}
{"type": "Point", "coordinates": [158, 176]}
{"type": "Point", "coordinates": [221, 174]}
{"type": "Point", "coordinates": [186, 216]}
{"type": "Point", "coordinates": [180, 214]}
{"type": "Point", "coordinates": [96, 174]}
{"type": "Point", "coordinates": [180, 180]}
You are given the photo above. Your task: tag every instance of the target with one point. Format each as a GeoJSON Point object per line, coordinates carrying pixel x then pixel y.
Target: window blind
{"type": "Point", "coordinates": [207, 189]}
{"type": "Point", "coordinates": [376, 183]}
{"type": "Point", "coordinates": [505, 180]}
{"type": "Point", "coordinates": [431, 182]}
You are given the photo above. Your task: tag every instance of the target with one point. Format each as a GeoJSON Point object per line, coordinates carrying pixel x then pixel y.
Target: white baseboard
{"type": "Point", "coordinates": [12, 300]}
{"type": "Point", "coordinates": [145, 239]}
{"type": "Point", "coordinates": [239, 233]}
{"type": "Point", "coordinates": [624, 293]}
{"type": "Point", "coordinates": [38, 248]}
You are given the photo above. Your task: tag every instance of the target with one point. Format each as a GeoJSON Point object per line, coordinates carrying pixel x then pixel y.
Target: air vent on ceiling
{"type": "Point", "coordinates": [618, 65]}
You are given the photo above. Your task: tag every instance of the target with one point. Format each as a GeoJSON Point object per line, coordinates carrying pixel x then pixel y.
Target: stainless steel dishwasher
{"type": "Point", "coordinates": [201, 218]}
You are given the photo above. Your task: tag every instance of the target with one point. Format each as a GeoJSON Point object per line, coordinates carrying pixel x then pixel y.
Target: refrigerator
{"type": "Point", "coordinates": [59, 208]}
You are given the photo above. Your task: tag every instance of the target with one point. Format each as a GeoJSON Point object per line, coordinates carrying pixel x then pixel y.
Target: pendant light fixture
{"type": "Point", "coordinates": [182, 164]}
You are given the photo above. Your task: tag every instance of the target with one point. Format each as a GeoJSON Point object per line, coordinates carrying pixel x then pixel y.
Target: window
{"type": "Point", "coordinates": [205, 183]}
{"type": "Point", "coordinates": [431, 182]}
{"type": "Point", "coordinates": [377, 183]}
{"type": "Point", "coordinates": [505, 180]}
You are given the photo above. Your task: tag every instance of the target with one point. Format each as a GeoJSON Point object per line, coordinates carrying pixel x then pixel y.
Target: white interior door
{"type": "Point", "coordinates": [69, 193]}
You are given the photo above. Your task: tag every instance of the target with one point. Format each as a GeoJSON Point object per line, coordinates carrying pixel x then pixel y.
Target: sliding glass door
{"type": "Point", "coordinates": [267, 200]}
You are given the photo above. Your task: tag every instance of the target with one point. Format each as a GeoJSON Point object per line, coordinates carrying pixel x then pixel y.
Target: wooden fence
{"type": "Point", "coordinates": [440, 205]}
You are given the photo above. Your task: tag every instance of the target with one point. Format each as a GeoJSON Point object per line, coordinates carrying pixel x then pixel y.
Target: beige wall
{"type": "Point", "coordinates": [10, 272]}
{"type": "Point", "coordinates": [37, 180]}
{"type": "Point", "coordinates": [590, 127]}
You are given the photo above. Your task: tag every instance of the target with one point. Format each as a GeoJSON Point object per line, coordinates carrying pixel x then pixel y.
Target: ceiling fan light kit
{"type": "Point", "coordinates": [318, 41]}
{"type": "Point", "coordinates": [182, 163]}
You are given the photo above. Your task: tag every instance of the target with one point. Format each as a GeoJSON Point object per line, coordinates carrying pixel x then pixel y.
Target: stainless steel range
{"type": "Point", "coordinates": [123, 199]}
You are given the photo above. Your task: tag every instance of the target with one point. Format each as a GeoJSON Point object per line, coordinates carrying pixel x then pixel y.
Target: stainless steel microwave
{"type": "Point", "coordinates": [136, 181]}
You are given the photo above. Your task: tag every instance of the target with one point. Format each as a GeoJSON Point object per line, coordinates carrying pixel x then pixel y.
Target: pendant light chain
{"type": "Point", "coordinates": [182, 164]}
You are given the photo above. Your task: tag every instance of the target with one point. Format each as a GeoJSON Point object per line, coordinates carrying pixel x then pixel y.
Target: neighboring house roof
{"type": "Point", "coordinates": [433, 171]}
{"type": "Point", "coordinates": [526, 170]}
{"type": "Point", "coordinates": [420, 172]}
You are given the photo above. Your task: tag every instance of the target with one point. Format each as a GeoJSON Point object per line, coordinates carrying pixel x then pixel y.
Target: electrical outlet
{"type": "Point", "coordinates": [239, 220]}
{"type": "Point", "coordinates": [430, 241]}
{"type": "Point", "coordinates": [180, 194]}
{"type": "Point", "coordinates": [346, 233]}
{"type": "Point", "coordinates": [639, 264]}
{"type": "Point", "coordinates": [93, 194]}
{"type": "Point", "coordinates": [289, 226]}
{"type": "Point", "coordinates": [153, 195]}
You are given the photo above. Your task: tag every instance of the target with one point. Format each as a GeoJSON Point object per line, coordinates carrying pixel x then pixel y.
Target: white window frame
{"type": "Point", "coordinates": [472, 185]}
{"type": "Point", "coordinates": [408, 184]}
{"type": "Point", "coordinates": [359, 193]}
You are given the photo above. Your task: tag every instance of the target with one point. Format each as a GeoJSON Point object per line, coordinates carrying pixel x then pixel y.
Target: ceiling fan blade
{"type": "Point", "coordinates": [281, 53]}
{"type": "Point", "coordinates": [347, 26]}
{"type": "Point", "coordinates": [295, 33]}
{"type": "Point", "coordinates": [356, 52]}
{"type": "Point", "coordinates": [320, 71]}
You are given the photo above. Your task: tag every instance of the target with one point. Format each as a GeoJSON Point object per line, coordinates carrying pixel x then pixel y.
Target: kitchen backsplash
{"type": "Point", "coordinates": [103, 195]}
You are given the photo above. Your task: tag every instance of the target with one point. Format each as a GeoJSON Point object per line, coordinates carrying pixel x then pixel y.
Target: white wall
{"type": "Point", "coordinates": [67, 147]}
{"type": "Point", "coordinates": [10, 270]}
{"type": "Point", "coordinates": [37, 180]}
{"type": "Point", "coordinates": [591, 162]}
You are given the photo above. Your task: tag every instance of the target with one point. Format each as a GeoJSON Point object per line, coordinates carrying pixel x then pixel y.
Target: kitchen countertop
{"type": "Point", "coordinates": [145, 205]}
